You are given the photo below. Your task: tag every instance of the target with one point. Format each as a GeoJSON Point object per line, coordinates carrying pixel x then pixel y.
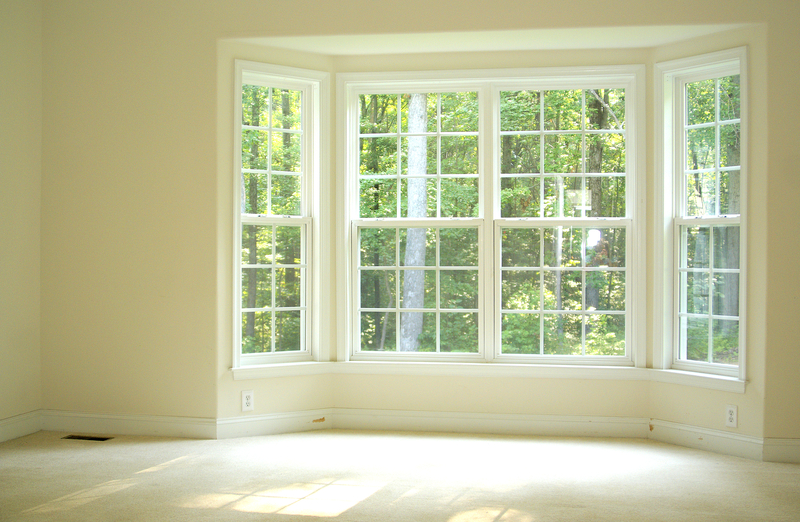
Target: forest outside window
{"type": "Point", "coordinates": [492, 219]}
{"type": "Point", "coordinates": [276, 163]}
{"type": "Point", "coordinates": [705, 96]}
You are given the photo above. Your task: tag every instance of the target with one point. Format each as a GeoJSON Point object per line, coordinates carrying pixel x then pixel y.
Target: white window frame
{"type": "Point", "coordinates": [670, 81]}
{"type": "Point", "coordinates": [313, 85]}
{"type": "Point", "coordinates": [488, 84]}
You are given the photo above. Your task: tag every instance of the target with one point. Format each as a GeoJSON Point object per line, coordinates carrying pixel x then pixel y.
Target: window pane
{"type": "Point", "coordinates": [605, 247]}
{"type": "Point", "coordinates": [521, 333]}
{"type": "Point", "coordinates": [519, 110]}
{"type": "Point", "coordinates": [726, 341]}
{"type": "Point", "coordinates": [730, 192]}
{"type": "Point", "coordinates": [562, 290]}
{"type": "Point", "coordinates": [288, 245]}
{"type": "Point", "coordinates": [285, 195]}
{"type": "Point", "coordinates": [378, 246]}
{"type": "Point", "coordinates": [256, 244]}
{"type": "Point", "coordinates": [519, 197]}
{"type": "Point", "coordinates": [417, 246]}
{"type": "Point", "coordinates": [459, 332]}
{"type": "Point", "coordinates": [255, 149]}
{"type": "Point", "coordinates": [605, 291]}
{"type": "Point", "coordinates": [521, 247]}
{"type": "Point", "coordinates": [726, 294]}
{"type": "Point", "coordinates": [458, 246]}
{"type": "Point", "coordinates": [730, 145]}
{"type": "Point", "coordinates": [701, 194]}
{"type": "Point", "coordinates": [694, 334]}
{"type": "Point", "coordinates": [256, 332]}
{"type": "Point", "coordinates": [697, 247]}
{"type": "Point", "coordinates": [700, 102]}
{"type": "Point", "coordinates": [562, 334]}
{"type": "Point", "coordinates": [459, 288]}
{"type": "Point", "coordinates": [418, 288]}
{"type": "Point", "coordinates": [255, 105]}
{"type": "Point", "coordinates": [254, 193]}
{"type": "Point", "coordinates": [605, 335]}
{"type": "Point", "coordinates": [286, 151]}
{"type": "Point", "coordinates": [378, 198]}
{"type": "Point", "coordinates": [378, 157]}
{"type": "Point", "coordinates": [287, 287]}
{"type": "Point", "coordinates": [520, 290]}
{"type": "Point", "coordinates": [519, 154]}
{"type": "Point", "coordinates": [562, 246]}
{"type": "Point", "coordinates": [459, 197]}
{"type": "Point", "coordinates": [418, 156]}
{"type": "Point", "coordinates": [418, 197]}
{"type": "Point", "coordinates": [378, 113]}
{"type": "Point", "coordinates": [286, 109]}
{"type": "Point", "coordinates": [605, 153]}
{"type": "Point", "coordinates": [605, 108]}
{"type": "Point", "coordinates": [695, 293]}
{"type": "Point", "coordinates": [726, 247]}
{"type": "Point", "coordinates": [563, 153]}
{"type": "Point", "coordinates": [287, 331]}
{"type": "Point", "coordinates": [256, 287]}
{"type": "Point", "coordinates": [701, 148]}
{"type": "Point", "coordinates": [378, 331]}
{"type": "Point", "coordinates": [378, 289]}
{"type": "Point", "coordinates": [729, 98]}
{"type": "Point", "coordinates": [459, 112]}
{"type": "Point", "coordinates": [459, 155]}
{"type": "Point", "coordinates": [562, 110]}
{"type": "Point", "coordinates": [417, 332]}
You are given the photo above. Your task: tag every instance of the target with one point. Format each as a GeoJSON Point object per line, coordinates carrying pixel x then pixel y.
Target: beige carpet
{"type": "Point", "coordinates": [385, 476]}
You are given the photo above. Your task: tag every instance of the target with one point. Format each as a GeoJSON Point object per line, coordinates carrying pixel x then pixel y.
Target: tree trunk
{"type": "Point", "coordinates": [414, 280]}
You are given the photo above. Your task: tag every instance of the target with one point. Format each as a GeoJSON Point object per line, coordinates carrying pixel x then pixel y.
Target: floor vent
{"type": "Point", "coordinates": [86, 437]}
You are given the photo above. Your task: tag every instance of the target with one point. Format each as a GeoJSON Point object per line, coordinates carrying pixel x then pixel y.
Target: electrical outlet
{"type": "Point", "coordinates": [247, 400]}
{"type": "Point", "coordinates": [731, 416]}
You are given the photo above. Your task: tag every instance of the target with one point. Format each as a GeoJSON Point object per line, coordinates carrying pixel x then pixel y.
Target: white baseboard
{"type": "Point", "coordinates": [270, 424]}
{"type": "Point", "coordinates": [717, 441]}
{"type": "Point", "coordinates": [547, 425]}
{"type": "Point", "coordinates": [782, 450]}
{"type": "Point", "coordinates": [20, 425]}
{"type": "Point", "coordinates": [98, 423]}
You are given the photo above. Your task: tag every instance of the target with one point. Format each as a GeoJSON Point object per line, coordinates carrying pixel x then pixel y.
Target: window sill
{"type": "Point", "coordinates": [531, 371]}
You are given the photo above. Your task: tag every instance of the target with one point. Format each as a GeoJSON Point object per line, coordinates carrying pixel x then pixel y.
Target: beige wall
{"type": "Point", "coordinates": [136, 197]}
{"type": "Point", "coordinates": [20, 186]}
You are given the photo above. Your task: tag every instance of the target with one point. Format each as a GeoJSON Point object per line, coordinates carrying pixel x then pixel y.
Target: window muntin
{"type": "Point", "coordinates": [276, 147]}
{"type": "Point", "coordinates": [538, 169]}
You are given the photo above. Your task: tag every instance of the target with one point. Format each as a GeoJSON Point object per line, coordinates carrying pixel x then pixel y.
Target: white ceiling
{"type": "Point", "coordinates": [514, 40]}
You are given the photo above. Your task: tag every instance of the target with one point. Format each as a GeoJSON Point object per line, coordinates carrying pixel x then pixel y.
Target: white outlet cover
{"type": "Point", "coordinates": [247, 400]}
{"type": "Point", "coordinates": [731, 416]}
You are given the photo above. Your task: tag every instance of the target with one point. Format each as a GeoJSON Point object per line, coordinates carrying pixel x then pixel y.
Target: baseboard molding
{"type": "Point", "coordinates": [782, 450]}
{"type": "Point", "coordinates": [511, 424]}
{"type": "Point", "coordinates": [98, 423]}
{"type": "Point", "coordinates": [717, 441]}
{"type": "Point", "coordinates": [20, 425]}
{"type": "Point", "coordinates": [274, 423]}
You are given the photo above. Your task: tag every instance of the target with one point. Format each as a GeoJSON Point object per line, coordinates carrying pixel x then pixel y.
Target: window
{"type": "Point", "coordinates": [705, 185]}
{"type": "Point", "coordinates": [493, 218]}
{"type": "Point", "coordinates": [277, 160]}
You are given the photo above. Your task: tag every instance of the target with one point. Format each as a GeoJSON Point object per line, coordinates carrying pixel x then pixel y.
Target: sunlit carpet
{"type": "Point", "coordinates": [385, 476]}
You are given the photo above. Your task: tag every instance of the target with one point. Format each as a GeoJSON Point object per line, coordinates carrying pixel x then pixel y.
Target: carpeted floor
{"type": "Point", "coordinates": [385, 476]}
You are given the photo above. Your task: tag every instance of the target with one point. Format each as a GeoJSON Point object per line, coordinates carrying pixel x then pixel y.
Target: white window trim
{"type": "Point", "coordinates": [314, 84]}
{"type": "Point", "coordinates": [669, 76]}
{"type": "Point", "coordinates": [630, 77]}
